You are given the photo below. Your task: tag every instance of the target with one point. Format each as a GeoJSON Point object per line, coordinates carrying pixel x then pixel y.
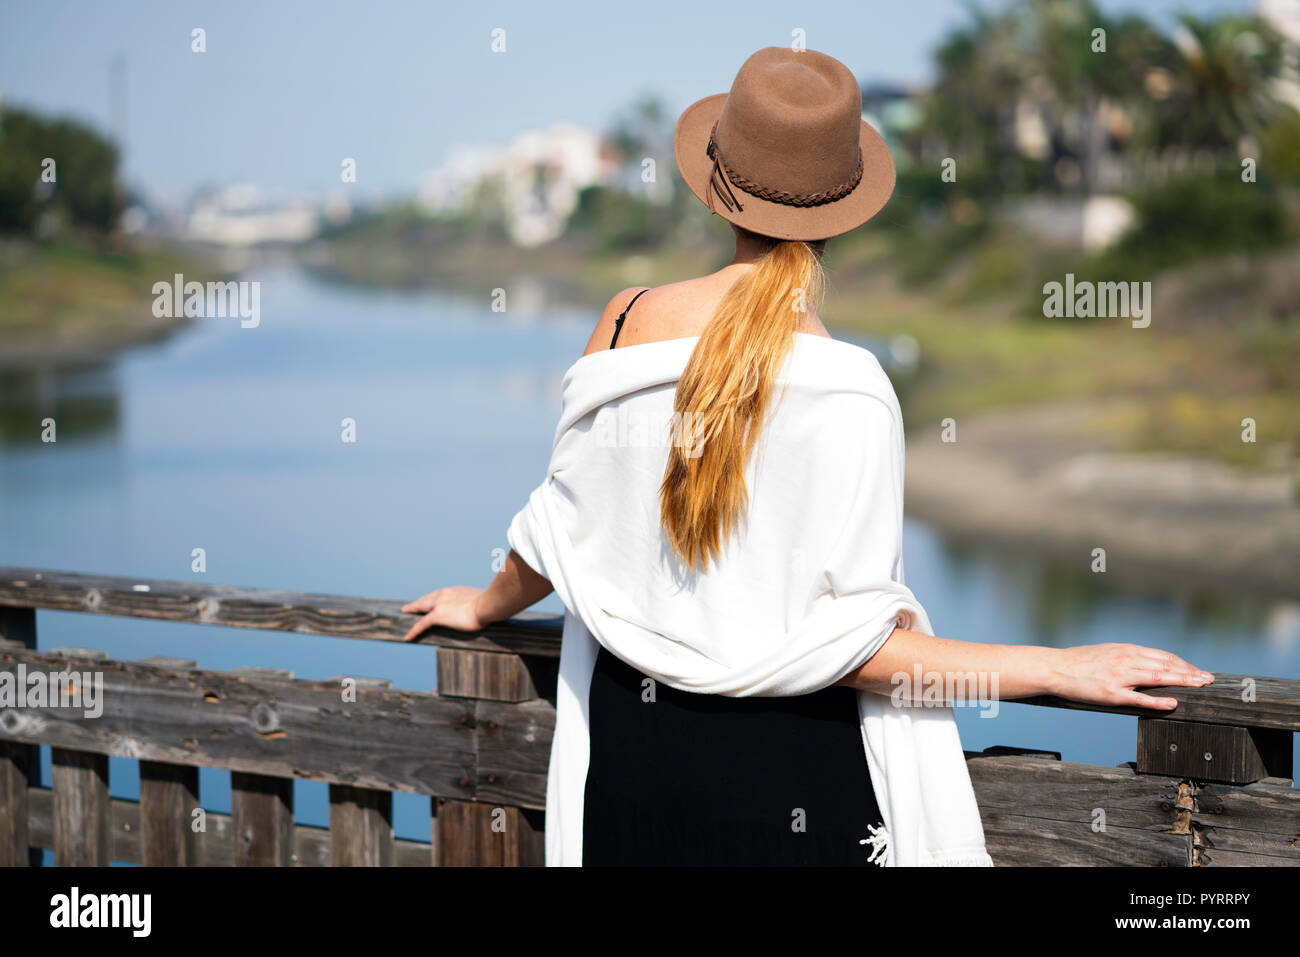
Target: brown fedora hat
{"type": "Point", "coordinates": [786, 153]}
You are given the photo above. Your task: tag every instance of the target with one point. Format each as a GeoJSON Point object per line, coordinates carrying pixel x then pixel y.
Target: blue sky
{"type": "Point", "coordinates": [287, 89]}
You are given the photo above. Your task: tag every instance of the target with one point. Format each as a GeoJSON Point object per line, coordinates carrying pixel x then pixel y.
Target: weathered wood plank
{"type": "Point", "coordinates": [311, 844]}
{"type": "Point", "coordinates": [513, 752]}
{"type": "Point", "coordinates": [169, 795]}
{"type": "Point", "coordinates": [1259, 807]}
{"type": "Point", "coordinates": [82, 825]}
{"type": "Point", "coordinates": [262, 812]}
{"type": "Point", "coordinates": [361, 827]}
{"type": "Point", "coordinates": [1035, 810]}
{"type": "Point", "coordinates": [384, 739]}
{"type": "Point", "coordinates": [1263, 848]}
{"type": "Point", "coordinates": [1258, 820]}
{"type": "Point", "coordinates": [1017, 840]}
{"type": "Point", "coordinates": [472, 834]}
{"type": "Point", "coordinates": [1033, 787]}
{"type": "Point", "coordinates": [369, 618]}
{"type": "Point", "coordinates": [1218, 857]}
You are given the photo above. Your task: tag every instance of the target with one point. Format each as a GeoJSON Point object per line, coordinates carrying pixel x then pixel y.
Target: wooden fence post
{"type": "Point", "coordinates": [473, 833]}
{"type": "Point", "coordinates": [261, 805]}
{"type": "Point", "coordinates": [15, 847]}
{"type": "Point", "coordinates": [20, 764]}
{"type": "Point", "coordinates": [82, 819]}
{"type": "Point", "coordinates": [361, 819]}
{"type": "Point", "coordinates": [169, 793]}
{"type": "Point", "coordinates": [262, 808]}
{"type": "Point", "coordinates": [476, 834]}
{"type": "Point", "coordinates": [361, 827]}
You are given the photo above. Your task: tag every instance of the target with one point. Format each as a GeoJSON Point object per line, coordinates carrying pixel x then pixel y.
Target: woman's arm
{"type": "Point", "coordinates": [464, 608]}
{"type": "Point", "coordinates": [1098, 674]}
{"type": "Point", "coordinates": [516, 586]}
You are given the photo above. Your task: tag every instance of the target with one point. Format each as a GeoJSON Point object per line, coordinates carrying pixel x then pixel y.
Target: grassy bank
{"type": "Point", "coordinates": [1183, 384]}
{"type": "Point", "coordinates": [81, 298]}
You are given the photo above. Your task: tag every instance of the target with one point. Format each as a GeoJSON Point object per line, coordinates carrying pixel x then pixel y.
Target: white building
{"type": "Point", "coordinates": [537, 177]}
{"type": "Point", "coordinates": [245, 216]}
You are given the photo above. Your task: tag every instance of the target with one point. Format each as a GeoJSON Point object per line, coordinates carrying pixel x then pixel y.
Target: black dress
{"type": "Point", "coordinates": [677, 778]}
{"type": "Point", "coordinates": [695, 779]}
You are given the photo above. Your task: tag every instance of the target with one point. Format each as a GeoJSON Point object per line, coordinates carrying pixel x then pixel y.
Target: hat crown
{"type": "Point", "coordinates": [792, 120]}
{"type": "Point", "coordinates": [786, 153]}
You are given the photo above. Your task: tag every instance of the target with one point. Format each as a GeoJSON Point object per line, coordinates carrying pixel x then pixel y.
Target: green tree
{"type": "Point", "coordinates": [85, 190]}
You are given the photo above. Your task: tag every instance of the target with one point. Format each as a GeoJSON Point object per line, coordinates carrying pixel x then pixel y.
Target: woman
{"type": "Point", "coordinates": [722, 518]}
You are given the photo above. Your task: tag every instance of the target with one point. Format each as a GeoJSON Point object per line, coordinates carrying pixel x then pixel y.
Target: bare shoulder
{"type": "Point", "coordinates": [604, 330]}
{"type": "Point", "coordinates": [671, 311]}
{"type": "Point", "coordinates": [663, 312]}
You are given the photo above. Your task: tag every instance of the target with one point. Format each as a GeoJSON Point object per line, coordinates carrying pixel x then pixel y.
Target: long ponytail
{"type": "Point", "coordinates": [724, 394]}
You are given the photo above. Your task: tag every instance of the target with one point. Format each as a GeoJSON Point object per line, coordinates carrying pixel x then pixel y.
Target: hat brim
{"type": "Point", "coordinates": [691, 138]}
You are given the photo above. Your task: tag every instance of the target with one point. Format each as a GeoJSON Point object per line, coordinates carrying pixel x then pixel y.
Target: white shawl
{"type": "Point", "coordinates": [805, 592]}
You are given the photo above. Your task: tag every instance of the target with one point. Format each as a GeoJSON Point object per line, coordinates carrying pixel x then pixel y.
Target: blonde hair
{"type": "Point", "coordinates": [724, 394]}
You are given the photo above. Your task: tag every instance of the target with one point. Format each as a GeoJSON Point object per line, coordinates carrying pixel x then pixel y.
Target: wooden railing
{"type": "Point", "coordinates": [1210, 786]}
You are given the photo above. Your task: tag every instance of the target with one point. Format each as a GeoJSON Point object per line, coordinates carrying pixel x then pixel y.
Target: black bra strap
{"type": "Point", "coordinates": [618, 323]}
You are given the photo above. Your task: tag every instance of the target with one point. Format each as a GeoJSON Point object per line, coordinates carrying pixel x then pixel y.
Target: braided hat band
{"type": "Point", "coordinates": [724, 173]}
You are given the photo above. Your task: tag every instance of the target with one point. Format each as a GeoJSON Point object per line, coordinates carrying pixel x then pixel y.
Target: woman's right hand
{"type": "Point", "coordinates": [1110, 674]}
{"type": "Point", "coordinates": [455, 607]}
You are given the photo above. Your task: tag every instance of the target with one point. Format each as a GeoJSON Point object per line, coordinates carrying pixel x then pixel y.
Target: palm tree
{"type": "Point", "coordinates": [1225, 81]}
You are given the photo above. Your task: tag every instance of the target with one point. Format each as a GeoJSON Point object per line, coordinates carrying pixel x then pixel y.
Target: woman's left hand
{"type": "Point", "coordinates": [454, 607]}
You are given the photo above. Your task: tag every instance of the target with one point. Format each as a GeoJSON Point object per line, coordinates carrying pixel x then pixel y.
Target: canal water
{"type": "Point", "coordinates": [230, 440]}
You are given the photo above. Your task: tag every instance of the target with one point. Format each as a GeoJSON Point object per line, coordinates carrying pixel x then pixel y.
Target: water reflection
{"type": "Point", "coordinates": [82, 401]}
{"type": "Point", "coordinates": [1060, 599]}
